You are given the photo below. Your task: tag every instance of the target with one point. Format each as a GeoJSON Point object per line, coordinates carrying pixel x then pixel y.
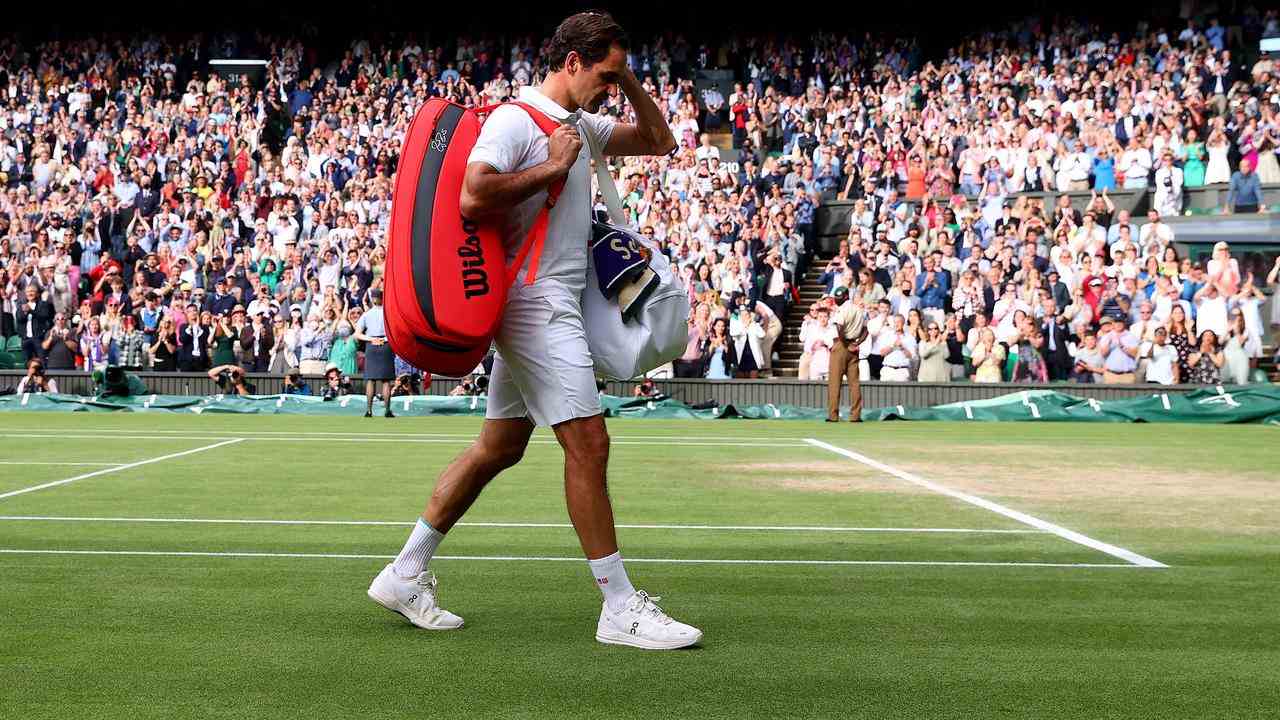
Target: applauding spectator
{"type": "Point", "coordinates": [988, 358]}
{"type": "Point", "coordinates": [61, 345]}
{"type": "Point", "coordinates": [933, 357]}
{"type": "Point", "coordinates": [820, 339]}
{"type": "Point", "coordinates": [1206, 360]}
{"type": "Point", "coordinates": [1161, 359]}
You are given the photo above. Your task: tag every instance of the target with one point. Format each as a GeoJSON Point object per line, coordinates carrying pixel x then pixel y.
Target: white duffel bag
{"type": "Point", "coordinates": [659, 331]}
{"type": "Point", "coordinates": [658, 334]}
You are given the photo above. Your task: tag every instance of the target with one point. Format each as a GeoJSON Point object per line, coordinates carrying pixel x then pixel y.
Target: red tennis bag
{"type": "Point", "coordinates": [446, 278]}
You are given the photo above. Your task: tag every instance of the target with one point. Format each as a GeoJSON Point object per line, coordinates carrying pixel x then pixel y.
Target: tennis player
{"type": "Point", "coordinates": [542, 375]}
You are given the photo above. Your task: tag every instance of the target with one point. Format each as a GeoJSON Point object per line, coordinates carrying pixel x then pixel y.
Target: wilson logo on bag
{"type": "Point", "coordinates": [475, 281]}
{"type": "Point", "coordinates": [446, 282]}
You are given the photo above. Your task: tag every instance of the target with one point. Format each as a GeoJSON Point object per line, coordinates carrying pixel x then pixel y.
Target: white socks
{"type": "Point", "coordinates": [612, 580]}
{"type": "Point", "coordinates": [418, 550]}
{"type": "Point", "coordinates": [611, 576]}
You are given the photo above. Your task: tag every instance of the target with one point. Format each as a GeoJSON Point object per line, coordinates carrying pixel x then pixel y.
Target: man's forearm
{"type": "Point", "coordinates": [487, 191]}
{"type": "Point", "coordinates": [649, 120]}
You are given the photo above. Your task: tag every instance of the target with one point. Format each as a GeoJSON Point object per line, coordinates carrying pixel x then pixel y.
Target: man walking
{"type": "Point", "coordinates": [850, 321]}
{"type": "Point", "coordinates": [542, 374]}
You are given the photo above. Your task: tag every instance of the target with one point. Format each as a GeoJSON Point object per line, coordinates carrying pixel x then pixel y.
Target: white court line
{"type": "Point", "coordinates": [624, 526]}
{"type": "Point", "coordinates": [465, 440]}
{"type": "Point", "coordinates": [33, 462]}
{"type": "Point", "coordinates": [1035, 522]}
{"type": "Point", "coordinates": [515, 558]}
{"type": "Point", "coordinates": [118, 468]}
{"type": "Point", "coordinates": [322, 433]}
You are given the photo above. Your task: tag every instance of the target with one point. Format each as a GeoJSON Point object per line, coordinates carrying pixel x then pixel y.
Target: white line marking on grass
{"type": "Point", "coordinates": [84, 436]}
{"type": "Point", "coordinates": [516, 558]}
{"type": "Point", "coordinates": [34, 462]}
{"type": "Point", "coordinates": [624, 526]}
{"type": "Point", "coordinates": [1073, 536]}
{"type": "Point", "coordinates": [464, 440]}
{"type": "Point", "coordinates": [323, 433]}
{"type": "Point", "coordinates": [118, 468]}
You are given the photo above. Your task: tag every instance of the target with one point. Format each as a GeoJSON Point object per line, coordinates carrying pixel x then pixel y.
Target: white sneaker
{"type": "Point", "coordinates": [415, 599]}
{"type": "Point", "coordinates": [641, 623]}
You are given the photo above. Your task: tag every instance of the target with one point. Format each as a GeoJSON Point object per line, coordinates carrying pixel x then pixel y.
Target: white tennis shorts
{"type": "Point", "coordinates": [543, 368]}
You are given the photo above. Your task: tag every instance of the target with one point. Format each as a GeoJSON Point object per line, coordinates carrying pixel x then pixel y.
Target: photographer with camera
{"type": "Point", "coordinates": [231, 379]}
{"type": "Point", "coordinates": [36, 381]}
{"type": "Point", "coordinates": [294, 384]}
{"type": "Point", "coordinates": [409, 383]}
{"type": "Point", "coordinates": [471, 386]}
{"type": "Point", "coordinates": [335, 383]}
{"type": "Point", "coordinates": [829, 275]}
{"type": "Point", "coordinates": [646, 390]}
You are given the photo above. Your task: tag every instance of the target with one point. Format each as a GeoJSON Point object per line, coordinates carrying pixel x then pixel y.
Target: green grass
{"type": "Point", "coordinates": [164, 636]}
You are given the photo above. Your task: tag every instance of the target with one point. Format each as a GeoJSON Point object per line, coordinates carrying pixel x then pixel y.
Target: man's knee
{"type": "Point", "coordinates": [497, 457]}
{"type": "Point", "coordinates": [586, 443]}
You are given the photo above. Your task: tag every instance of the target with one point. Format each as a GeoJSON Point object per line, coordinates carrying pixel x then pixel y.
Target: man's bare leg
{"type": "Point", "coordinates": [586, 459]}
{"type": "Point", "coordinates": [404, 586]}
{"type": "Point", "coordinates": [501, 444]}
{"type": "Point", "coordinates": [628, 617]}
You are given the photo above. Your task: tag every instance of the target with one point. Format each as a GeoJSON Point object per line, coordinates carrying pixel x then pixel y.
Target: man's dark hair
{"type": "Point", "coordinates": [590, 34]}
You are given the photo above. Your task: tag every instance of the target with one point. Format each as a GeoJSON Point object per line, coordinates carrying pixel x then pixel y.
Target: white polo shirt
{"type": "Point", "coordinates": [1160, 366]}
{"type": "Point", "coordinates": [510, 142]}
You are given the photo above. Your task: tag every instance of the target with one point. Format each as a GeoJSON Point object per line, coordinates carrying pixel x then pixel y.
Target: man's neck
{"type": "Point", "coordinates": [556, 87]}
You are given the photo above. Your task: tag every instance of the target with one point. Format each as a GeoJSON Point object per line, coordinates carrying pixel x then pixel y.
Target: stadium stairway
{"type": "Point", "coordinates": [1267, 363]}
{"type": "Point", "coordinates": [788, 346]}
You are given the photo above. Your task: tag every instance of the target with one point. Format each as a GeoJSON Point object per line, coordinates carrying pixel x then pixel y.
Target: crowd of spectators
{"type": "Point", "coordinates": [1088, 310]}
{"type": "Point", "coordinates": [160, 216]}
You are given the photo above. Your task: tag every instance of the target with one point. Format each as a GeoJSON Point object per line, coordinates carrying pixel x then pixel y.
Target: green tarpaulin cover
{"type": "Point", "coordinates": [1232, 404]}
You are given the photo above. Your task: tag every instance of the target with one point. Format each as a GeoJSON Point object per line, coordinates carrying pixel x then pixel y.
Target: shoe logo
{"type": "Point", "coordinates": [412, 599]}
{"type": "Point", "coordinates": [602, 581]}
{"type": "Point", "coordinates": [634, 625]}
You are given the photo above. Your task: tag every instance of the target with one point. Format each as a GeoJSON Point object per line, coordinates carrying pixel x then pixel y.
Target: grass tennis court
{"type": "Point", "coordinates": [216, 567]}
